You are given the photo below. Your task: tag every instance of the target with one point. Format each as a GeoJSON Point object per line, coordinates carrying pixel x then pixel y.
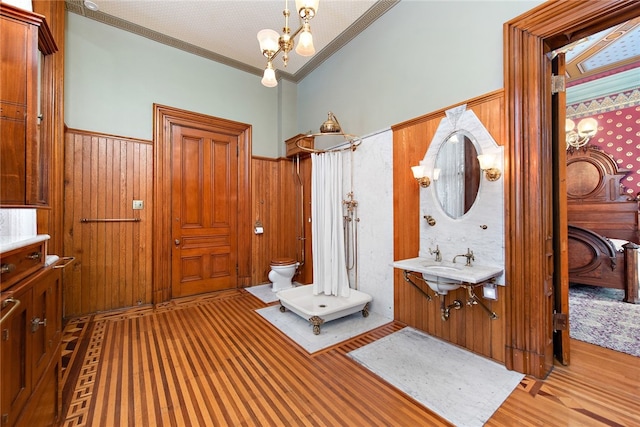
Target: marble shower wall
{"type": "Point", "coordinates": [371, 180]}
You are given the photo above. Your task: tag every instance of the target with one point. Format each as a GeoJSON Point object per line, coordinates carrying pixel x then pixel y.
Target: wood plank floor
{"type": "Point", "coordinates": [213, 361]}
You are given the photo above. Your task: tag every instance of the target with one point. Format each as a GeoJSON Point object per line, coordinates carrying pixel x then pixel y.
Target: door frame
{"type": "Point", "coordinates": [163, 118]}
{"type": "Point", "coordinates": [529, 155]}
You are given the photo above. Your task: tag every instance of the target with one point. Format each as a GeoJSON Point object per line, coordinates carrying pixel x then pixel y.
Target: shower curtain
{"type": "Point", "coordinates": [329, 265]}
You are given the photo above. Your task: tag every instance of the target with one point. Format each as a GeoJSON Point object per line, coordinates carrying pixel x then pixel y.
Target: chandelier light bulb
{"type": "Point", "coordinates": [269, 76]}
{"type": "Point", "coordinates": [268, 40]}
{"type": "Point", "coordinates": [305, 43]}
{"type": "Point", "coordinates": [307, 8]}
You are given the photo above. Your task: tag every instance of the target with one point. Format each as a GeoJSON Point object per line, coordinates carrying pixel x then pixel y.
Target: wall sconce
{"type": "Point", "coordinates": [580, 135]}
{"type": "Point", "coordinates": [420, 175]}
{"type": "Point", "coordinates": [488, 165]}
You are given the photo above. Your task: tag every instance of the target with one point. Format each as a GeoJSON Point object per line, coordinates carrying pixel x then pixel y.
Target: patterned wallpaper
{"type": "Point", "coordinates": [618, 134]}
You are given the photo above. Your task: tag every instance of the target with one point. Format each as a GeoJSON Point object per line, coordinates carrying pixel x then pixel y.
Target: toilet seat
{"type": "Point", "coordinates": [283, 261]}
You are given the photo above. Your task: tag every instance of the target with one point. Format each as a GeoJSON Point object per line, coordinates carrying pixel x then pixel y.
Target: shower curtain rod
{"type": "Point", "coordinates": [351, 142]}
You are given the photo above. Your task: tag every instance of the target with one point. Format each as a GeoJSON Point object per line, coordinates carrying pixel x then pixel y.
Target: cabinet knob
{"type": "Point", "coordinates": [177, 242]}
{"type": "Point", "coordinates": [7, 268]}
{"type": "Point", "coordinates": [35, 255]}
{"type": "Point", "coordinates": [36, 322]}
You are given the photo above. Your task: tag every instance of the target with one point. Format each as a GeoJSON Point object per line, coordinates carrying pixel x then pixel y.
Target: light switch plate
{"type": "Point", "coordinates": [138, 204]}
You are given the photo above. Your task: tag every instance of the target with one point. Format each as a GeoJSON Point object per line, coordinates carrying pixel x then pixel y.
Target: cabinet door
{"type": "Point", "coordinates": [44, 324]}
{"type": "Point", "coordinates": [15, 368]}
{"type": "Point", "coordinates": [16, 87]}
{"type": "Point", "coordinates": [24, 163]}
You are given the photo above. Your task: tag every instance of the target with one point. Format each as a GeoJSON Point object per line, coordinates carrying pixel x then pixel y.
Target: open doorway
{"type": "Point", "coordinates": [530, 253]}
{"type": "Point", "coordinates": [602, 164]}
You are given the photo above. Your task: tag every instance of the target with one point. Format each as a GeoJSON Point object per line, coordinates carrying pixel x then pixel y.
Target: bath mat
{"type": "Point", "coordinates": [263, 293]}
{"type": "Point", "coordinates": [599, 316]}
{"type": "Point", "coordinates": [331, 333]}
{"type": "Point", "coordinates": [462, 387]}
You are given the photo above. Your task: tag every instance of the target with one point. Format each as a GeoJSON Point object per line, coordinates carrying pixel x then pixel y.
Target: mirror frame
{"type": "Point", "coordinates": [461, 119]}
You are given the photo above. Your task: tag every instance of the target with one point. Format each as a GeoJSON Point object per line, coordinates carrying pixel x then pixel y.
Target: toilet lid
{"type": "Point", "coordinates": [283, 261]}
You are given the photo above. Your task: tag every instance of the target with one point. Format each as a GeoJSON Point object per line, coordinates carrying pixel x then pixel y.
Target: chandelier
{"type": "Point", "coordinates": [272, 43]}
{"type": "Point", "coordinates": [580, 135]}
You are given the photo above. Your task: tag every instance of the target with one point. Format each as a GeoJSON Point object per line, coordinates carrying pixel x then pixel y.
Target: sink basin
{"type": "Point", "coordinates": [434, 276]}
{"type": "Point", "coordinates": [444, 276]}
{"type": "Point", "coordinates": [441, 268]}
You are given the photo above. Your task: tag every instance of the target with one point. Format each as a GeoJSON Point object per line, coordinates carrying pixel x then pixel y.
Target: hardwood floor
{"type": "Point", "coordinates": [213, 361]}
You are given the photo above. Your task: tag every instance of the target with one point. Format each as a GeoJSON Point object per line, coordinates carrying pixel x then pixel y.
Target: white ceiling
{"type": "Point", "coordinates": [225, 31]}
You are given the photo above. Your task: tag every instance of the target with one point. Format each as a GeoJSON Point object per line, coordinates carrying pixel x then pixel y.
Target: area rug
{"type": "Point", "coordinates": [464, 388]}
{"type": "Point", "coordinates": [598, 316]}
{"type": "Point", "coordinates": [331, 333]}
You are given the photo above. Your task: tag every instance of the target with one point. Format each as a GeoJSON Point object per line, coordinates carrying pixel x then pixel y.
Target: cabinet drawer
{"type": "Point", "coordinates": [19, 263]}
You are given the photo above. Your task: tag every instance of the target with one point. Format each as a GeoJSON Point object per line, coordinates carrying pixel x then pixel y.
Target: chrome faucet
{"type": "Point", "coordinates": [468, 255]}
{"type": "Point", "coordinates": [437, 253]}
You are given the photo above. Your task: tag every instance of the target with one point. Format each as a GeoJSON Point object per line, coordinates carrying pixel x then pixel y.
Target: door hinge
{"type": "Point", "coordinates": [560, 321]}
{"type": "Point", "coordinates": [557, 84]}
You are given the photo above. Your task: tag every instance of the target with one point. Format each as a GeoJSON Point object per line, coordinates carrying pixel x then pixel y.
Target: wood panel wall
{"type": "Point", "coordinates": [469, 327]}
{"type": "Point", "coordinates": [275, 194]}
{"type": "Point", "coordinates": [103, 175]}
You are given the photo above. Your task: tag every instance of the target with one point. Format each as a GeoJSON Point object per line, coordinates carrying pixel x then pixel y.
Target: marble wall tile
{"type": "Point", "coordinates": [454, 236]}
{"type": "Point", "coordinates": [371, 180]}
{"type": "Point", "coordinates": [18, 222]}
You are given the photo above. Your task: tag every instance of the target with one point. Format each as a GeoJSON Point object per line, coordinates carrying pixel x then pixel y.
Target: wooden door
{"type": "Point", "coordinates": [203, 210]}
{"type": "Point", "coordinates": [561, 244]}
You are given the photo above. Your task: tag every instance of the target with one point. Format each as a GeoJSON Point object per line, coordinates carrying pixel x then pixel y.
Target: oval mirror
{"type": "Point", "coordinates": [457, 174]}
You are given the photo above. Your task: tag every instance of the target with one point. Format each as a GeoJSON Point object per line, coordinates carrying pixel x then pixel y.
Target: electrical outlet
{"type": "Point", "coordinates": [138, 204]}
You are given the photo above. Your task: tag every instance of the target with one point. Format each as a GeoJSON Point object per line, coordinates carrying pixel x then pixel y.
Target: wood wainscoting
{"type": "Point", "coordinates": [471, 329]}
{"type": "Point", "coordinates": [113, 269]}
{"type": "Point", "coordinates": [103, 175]}
{"type": "Point", "coordinates": [283, 210]}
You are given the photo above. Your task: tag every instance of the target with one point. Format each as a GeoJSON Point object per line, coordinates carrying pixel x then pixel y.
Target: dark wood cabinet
{"type": "Point", "coordinates": [25, 41]}
{"type": "Point", "coordinates": [31, 335]}
{"type": "Point", "coordinates": [15, 346]}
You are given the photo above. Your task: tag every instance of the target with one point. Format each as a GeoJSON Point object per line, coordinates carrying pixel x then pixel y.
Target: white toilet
{"type": "Point", "coordinates": [282, 271]}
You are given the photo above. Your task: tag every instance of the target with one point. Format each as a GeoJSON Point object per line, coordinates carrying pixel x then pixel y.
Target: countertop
{"type": "Point", "coordinates": [459, 271]}
{"type": "Point", "coordinates": [9, 243]}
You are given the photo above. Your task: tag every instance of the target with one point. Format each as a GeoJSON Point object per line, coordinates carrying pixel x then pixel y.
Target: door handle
{"type": "Point", "coordinates": [177, 242]}
{"type": "Point", "coordinates": [10, 300]}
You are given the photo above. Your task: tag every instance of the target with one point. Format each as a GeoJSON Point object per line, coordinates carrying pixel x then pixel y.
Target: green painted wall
{"type": "Point", "coordinates": [418, 57]}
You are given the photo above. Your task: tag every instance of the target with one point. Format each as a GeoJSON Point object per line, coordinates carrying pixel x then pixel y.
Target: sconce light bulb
{"type": "Point", "coordinates": [587, 127]}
